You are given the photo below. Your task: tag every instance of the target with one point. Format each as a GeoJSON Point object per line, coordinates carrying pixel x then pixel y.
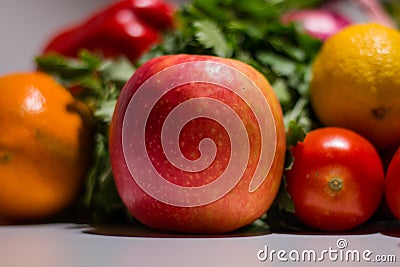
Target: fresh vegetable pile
{"type": "Point", "coordinates": [324, 185]}
{"type": "Point", "coordinates": [284, 58]}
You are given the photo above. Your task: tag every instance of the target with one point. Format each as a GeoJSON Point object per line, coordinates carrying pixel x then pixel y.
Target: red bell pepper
{"type": "Point", "coordinates": [126, 27]}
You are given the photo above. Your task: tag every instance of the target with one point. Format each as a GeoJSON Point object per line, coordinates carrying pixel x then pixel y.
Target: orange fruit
{"type": "Point", "coordinates": [356, 82]}
{"type": "Point", "coordinates": [44, 146]}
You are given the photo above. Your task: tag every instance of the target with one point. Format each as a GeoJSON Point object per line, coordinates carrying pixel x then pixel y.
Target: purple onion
{"type": "Point", "coordinates": [319, 23]}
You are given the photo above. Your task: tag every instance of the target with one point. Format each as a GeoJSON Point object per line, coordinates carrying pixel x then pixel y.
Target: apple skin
{"type": "Point", "coordinates": [238, 207]}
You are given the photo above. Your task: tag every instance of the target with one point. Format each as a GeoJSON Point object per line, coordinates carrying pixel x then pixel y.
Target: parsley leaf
{"type": "Point", "coordinates": [209, 36]}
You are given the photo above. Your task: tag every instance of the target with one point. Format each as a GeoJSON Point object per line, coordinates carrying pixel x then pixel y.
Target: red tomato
{"type": "Point", "coordinates": [392, 185]}
{"type": "Point", "coordinates": [336, 181]}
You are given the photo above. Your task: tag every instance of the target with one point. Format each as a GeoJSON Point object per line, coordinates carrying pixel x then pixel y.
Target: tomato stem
{"type": "Point", "coordinates": [335, 183]}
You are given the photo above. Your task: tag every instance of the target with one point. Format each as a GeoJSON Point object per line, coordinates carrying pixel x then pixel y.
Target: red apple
{"type": "Point", "coordinates": [197, 144]}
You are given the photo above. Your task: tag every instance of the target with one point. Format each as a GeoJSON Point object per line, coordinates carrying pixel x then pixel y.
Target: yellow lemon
{"type": "Point", "coordinates": [356, 82]}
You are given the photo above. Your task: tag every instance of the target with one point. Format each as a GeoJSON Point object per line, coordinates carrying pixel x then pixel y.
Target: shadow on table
{"type": "Point", "coordinates": [388, 228]}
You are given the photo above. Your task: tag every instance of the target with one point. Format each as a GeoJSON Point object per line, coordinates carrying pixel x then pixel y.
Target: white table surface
{"type": "Point", "coordinates": [71, 245]}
